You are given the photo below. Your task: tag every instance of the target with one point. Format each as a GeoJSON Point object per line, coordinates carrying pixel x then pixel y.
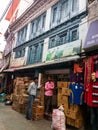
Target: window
{"type": "Point", "coordinates": [32, 27]}
{"type": "Point", "coordinates": [37, 26]}
{"type": "Point", "coordinates": [21, 37]}
{"type": "Point", "coordinates": [20, 53]}
{"type": "Point", "coordinates": [74, 34]}
{"type": "Point", "coordinates": [59, 39]}
{"type": "Point", "coordinates": [75, 5]}
{"type": "Point", "coordinates": [43, 21]}
{"type": "Point", "coordinates": [54, 15]}
{"type": "Point", "coordinates": [52, 42]}
{"type": "Point", "coordinates": [64, 9]}
{"type": "Point", "coordinates": [64, 38]}
{"type": "Point", "coordinates": [35, 53]}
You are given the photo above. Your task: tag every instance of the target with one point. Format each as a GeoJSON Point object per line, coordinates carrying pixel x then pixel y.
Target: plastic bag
{"type": "Point", "coordinates": [58, 119]}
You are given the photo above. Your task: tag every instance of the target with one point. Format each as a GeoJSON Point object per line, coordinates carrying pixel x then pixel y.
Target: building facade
{"type": "Point", "coordinates": [47, 33]}
{"type": "Point", "coordinates": [48, 38]}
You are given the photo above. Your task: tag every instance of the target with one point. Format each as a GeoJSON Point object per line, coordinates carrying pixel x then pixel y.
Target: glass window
{"type": "Point", "coordinates": [21, 37]}
{"type": "Point", "coordinates": [20, 53]}
{"type": "Point", "coordinates": [64, 9]}
{"type": "Point", "coordinates": [54, 14]}
{"type": "Point", "coordinates": [43, 21]}
{"type": "Point", "coordinates": [35, 53]}
{"type": "Point", "coordinates": [75, 5]}
{"type": "Point", "coordinates": [52, 42]}
{"type": "Point", "coordinates": [38, 24]}
{"type": "Point", "coordinates": [64, 38]}
{"type": "Point", "coordinates": [32, 27]}
{"type": "Point", "coordinates": [74, 34]}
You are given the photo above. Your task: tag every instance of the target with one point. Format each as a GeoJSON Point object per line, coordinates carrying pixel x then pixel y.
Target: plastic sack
{"type": "Point", "coordinates": [58, 119]}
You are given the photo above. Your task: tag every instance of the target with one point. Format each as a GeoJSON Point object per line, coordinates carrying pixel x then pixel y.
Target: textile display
{"type": "Point", "coordinates": [77, 94]}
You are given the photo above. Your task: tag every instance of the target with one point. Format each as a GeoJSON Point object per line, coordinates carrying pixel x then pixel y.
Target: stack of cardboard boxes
{"type": "Point", "coordinates": [20, 98]}
{"type": "Point", "coordinates": [73, 112]}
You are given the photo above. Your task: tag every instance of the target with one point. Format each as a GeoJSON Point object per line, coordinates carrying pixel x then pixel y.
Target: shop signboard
{"type": "Point", "coordinates": [92, 35]}
{"type": "Point", "coordinates": [18, 62]}
{"type": "Point", "coordinates": [65, 50]}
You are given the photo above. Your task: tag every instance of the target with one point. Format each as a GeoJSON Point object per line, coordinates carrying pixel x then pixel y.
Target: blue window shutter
{"type": "Point", "coordinates": [28, 57]}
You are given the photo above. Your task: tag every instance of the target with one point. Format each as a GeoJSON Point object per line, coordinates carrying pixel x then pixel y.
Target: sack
{"type": "Point", "coordinates": [58, 119]}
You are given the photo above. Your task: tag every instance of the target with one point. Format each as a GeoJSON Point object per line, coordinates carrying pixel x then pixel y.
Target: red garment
{"type": "Point", "coordinates": [92, 94]}
{"type": "Point", "coordinates": [89, 68]}
{"type": "Point", "coordinates": [77, 68]}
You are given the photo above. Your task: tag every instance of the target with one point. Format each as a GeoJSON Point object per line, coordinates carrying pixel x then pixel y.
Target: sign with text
{"type": "Point", "coordinates": [92, 35]}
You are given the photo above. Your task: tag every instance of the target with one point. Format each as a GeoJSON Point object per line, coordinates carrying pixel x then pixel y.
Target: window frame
{"type": "Point", "coordinates": [71, 31]}
{"type": "Point", "coordinates": [33, 55]}
{"type": "Point", "coordinates": [66, 17]}
{"type": "Point", "coordinates": [21, 35]}
{"type": "Point", "coordinates": [74, 12]}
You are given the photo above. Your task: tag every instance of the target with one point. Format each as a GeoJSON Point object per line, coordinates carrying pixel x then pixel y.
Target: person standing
{"type": "Point", "coordinates": [49, 87]}
{"type": "Point", "coordinates": [32, 91]}
{"type": "Point", "coordinates": [92, 101]}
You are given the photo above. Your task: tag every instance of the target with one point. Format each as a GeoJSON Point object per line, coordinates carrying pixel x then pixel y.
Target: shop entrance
{"type": "Point", "coordinates": [61, 78]}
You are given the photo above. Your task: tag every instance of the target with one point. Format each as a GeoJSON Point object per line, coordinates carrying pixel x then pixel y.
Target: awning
{"type": "Point", "coordinates": [8, 70]}
{"type": "Point", "coordinates": [3, 67]}
{"type": "Point", "coordinates": [92, 35]}
{"type": "Point", "coordinates": [61, 60]}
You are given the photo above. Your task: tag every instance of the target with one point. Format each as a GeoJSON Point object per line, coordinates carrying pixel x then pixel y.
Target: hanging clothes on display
{"type": "Point", "coordinates": [77, 94]}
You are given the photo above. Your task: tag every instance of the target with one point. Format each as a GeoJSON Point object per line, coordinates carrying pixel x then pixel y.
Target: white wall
{"type": "Point", "coordinates": [83, 28]}
{"type": "Point", "coordinates": [45, 49]}
{"type": "Point", "coordinates": [82, 5]}
{"type": "Point", "coordinates": [48, 16]}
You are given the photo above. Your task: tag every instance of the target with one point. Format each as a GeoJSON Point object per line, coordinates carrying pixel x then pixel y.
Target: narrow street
{"type": "Point", "coordinates": [12, 120]}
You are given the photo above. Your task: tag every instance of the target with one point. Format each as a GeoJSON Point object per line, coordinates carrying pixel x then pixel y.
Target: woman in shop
{"type": "Point", "coordinates": [49, 87]}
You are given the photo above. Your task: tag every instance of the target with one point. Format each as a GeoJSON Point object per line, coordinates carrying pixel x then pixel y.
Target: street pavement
{"type": "Point", "coordinates": [12, 120]}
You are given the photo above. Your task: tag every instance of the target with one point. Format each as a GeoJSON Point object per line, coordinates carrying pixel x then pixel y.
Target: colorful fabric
{"type": "Point", "coordinates": [89, 68]}
{"type": "Point", "coordinates": [77, 78]}
{"type": "Point", "coordinates": [77, 94]}
{"type": "Point", "coordinates": [92, 94]}
{"type": "Point", "coordinates": [77, 68]}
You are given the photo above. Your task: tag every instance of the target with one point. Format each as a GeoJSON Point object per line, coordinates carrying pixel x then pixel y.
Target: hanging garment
{"type": "Point", "coordinates": [78, 68]}
{"type": "Point", "coordinates": [92, 94]}
{"type": "Point", "coordinates": [77, 78]}
{"type": "Point", "coordinates": [77, 94]}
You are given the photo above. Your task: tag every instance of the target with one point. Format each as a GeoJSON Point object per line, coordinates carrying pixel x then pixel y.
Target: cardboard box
{"type": "Point", "coordinates": [64, 100]}
{"type": "Point", "coordinates": [72, 114]}
{"type": "Point", "coordinates": [38, 110]}
{"type": "Point", "coordinates": [79, 123]}
{"type": "Point", "coordinates": [60, 90]}
{"type": "Point", "coordinates": [59, 99]}
{"type": "Point", "coordinates": [66, 91]}
{"type": "Point", "coordinates": [62, 84]}
{"type": "Point", "coordinates": [74, 107]}
{"type": "Point", "coordinates": [70, 121]}
{"type": "Point", "coordinates": [38, 116]}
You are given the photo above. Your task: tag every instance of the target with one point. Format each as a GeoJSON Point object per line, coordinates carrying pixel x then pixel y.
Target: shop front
{"type": "Point", "coordinates": [67, 72]}
{"type": "Point", "coordinates": [91, 73]}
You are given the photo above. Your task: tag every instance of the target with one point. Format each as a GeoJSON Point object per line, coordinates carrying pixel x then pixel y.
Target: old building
{"type": "Point", "coordinates": [48, 38]}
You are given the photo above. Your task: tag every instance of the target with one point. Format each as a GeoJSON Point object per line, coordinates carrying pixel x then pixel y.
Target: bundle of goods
{"type": "Point", "coordinates": [58, 119]}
